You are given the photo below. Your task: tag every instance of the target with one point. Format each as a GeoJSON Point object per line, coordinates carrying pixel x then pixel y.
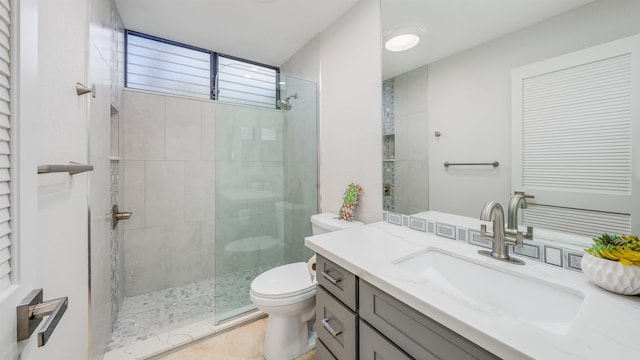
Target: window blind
{"type": "Point", "coordinates": [245, 83]}
{"type": "Point", "coordinates": [159, 66]}
{"type": "Point", "coordinates": [5, 153]}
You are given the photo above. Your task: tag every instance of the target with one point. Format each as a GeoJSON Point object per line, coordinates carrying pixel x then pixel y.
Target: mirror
{"type": "Point", "coordinates": [449, 98]}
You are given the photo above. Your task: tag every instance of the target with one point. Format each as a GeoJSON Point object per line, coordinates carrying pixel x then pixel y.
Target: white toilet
{"type": "Point", "coordinates": [287, 294]}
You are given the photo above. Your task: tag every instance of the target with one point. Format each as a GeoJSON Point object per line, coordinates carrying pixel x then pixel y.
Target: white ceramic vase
{"type": "Point", "coordinates": [611, 275]}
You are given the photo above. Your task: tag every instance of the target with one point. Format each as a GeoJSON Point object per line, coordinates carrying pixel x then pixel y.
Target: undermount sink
{"type": "Point", "coordinates": [478, 285]}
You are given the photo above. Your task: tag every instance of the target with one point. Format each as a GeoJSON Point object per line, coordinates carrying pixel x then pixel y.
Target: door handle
{"type": "Point", "coordinates": [31, 311]}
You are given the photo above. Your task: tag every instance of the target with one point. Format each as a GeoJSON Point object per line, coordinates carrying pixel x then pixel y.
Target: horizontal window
{"type": "Point", "coordinates": [164, 66]}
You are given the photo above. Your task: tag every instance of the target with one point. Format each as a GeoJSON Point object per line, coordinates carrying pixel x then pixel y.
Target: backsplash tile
{"type": "Point", "coordinates": [418, 224]}
{"type": "Point", "coordinates": [462, 234]}
{"type": "Point", "coordinates": [476, 239]}
{"type": "Point", "coordinates": [530, 250]}
{"type": "Point", "coordinates": [552, 255]}
{"type": "Point", "coordinates": [573, 260]}
{"type": "Point", "coordinates": [446, 230]}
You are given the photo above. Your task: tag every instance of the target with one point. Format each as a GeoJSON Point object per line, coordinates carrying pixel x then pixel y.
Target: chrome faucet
{"type": "Point", "coordinates": [501, 238]}
{"type": "Point", "coordinates": [517, 202]}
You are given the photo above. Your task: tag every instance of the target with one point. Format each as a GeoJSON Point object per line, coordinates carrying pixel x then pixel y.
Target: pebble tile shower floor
{"type": "Point", "coordinates": [151, 314]}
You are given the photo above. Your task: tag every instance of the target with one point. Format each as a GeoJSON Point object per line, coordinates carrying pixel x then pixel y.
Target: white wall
{"type": "Point", "coordinates": [469, 100]}
{"type": "Point", "coordinates": [345, 60]}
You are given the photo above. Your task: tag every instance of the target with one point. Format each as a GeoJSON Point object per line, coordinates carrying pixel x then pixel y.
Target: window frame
{"type": "Point", "coordinates": [214, 63]}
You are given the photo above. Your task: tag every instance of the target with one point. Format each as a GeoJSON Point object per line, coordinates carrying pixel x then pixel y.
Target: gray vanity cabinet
{"type": "Point", "coordinates": [416, 334]}
{"type": "Point", "coordinates": [336, 311]}
{"type": "Point", "coordinates": [356, 320]}
{"type": "Point", "coordinates": [374, 346]}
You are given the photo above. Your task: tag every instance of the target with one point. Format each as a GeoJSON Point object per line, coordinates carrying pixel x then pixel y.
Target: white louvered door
{"type": "Point", "coordinates": [18, 196]}
{"type": "Point", "coordinates": [573, 144]}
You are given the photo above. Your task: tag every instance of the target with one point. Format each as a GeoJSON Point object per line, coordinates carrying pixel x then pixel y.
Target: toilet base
{"type": "Point", "coordinates": [287, 338]}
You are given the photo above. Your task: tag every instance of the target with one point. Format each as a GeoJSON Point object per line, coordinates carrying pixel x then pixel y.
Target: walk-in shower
{"type": "Point", "coordinates": [219, 192]}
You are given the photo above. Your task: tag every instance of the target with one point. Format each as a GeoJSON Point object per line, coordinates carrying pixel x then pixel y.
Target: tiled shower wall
{"type": "Point", "coordinates": [405, 142]}
{"type": "Point", "coordinates": [169, 185]}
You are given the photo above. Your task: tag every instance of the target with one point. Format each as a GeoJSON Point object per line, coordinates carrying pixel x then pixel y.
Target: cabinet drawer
{"type": "Point", "coordinates": [374, 346]}
{"type": "Point", "coordinates": [338, 281]}
{"type": "Point", "coordinates": [419, 336]}
{"type": "Point", "coordinates": [337, 326]}
{"type": "Point", "coordinates": [322, 353]}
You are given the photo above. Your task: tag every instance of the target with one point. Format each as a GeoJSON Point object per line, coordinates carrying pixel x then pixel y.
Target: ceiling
{"type": "Point", "coordinates": [455, 25]}
{"type": "Point", "coordinates": [266, 31]}
{"type": "Point", "coordinates": [271, 31]}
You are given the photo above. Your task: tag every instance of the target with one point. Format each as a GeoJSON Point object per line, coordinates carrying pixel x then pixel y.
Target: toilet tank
{"type": "Point", "coordinates": [328, 222]}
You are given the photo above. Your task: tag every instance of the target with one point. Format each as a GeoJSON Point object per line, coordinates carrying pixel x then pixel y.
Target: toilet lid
{"type": "Point", "coordinates": [283, 281]}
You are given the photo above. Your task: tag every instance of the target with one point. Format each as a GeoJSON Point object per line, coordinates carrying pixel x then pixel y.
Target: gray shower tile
{"type": "Point", "coordinates": [199, 191]}
{"type": "Point", "coordinates": [183, 129]}
{"type": "Point", "coordinates": [209, 130]}
{"type": "Point", "coordinates": [134, 190]}
{"type": "Point", "coordinates": [144, 260]}
{"type": "Point", "coordinates": [164, 195]}
{"type": "Point", "coordinates": [144, 118]}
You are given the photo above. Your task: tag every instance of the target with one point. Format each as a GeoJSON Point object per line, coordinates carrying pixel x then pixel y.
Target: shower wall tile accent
{"type": "Point", "coordinates": [388, 146]}
{"type": "Point", "coordinates": [388, 107]}
{"type": "Point", "coordinates": [169, 185]}
{"type": "Point", "coordinates": [117, 289]}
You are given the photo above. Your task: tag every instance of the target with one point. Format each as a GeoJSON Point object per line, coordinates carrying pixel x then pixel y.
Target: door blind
{"type": "Point", "coordinates": [5, 153]}
{"type": "Point", "coordinates": [577, 128]}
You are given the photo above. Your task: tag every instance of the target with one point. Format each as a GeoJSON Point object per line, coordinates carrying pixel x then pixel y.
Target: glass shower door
{"type": "Point", "coordinates": [266, 190]}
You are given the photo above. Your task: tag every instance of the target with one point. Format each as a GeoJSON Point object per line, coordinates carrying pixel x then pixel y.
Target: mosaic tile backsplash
{"type": "Point", "coordinates": [533, 250]}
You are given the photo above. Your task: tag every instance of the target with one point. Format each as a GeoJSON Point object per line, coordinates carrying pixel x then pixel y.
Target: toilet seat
{"type": "Point", "coordinates": [283, 282]}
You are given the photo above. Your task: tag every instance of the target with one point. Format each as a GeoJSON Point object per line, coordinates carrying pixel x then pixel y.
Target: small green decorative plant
{"type": "Point", "coordinates": [624, 249]}
{"type": "Point", "coordinates": [350, 200]}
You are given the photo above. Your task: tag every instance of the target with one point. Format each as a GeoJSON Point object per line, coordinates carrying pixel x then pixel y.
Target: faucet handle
{"type": "Point", "coordinates": [519, 239]}
{"type": "Point", "coordinates": [483, 232]}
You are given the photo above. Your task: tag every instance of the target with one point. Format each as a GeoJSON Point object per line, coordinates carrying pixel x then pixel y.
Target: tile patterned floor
{"type": "Point", "coordinates": [144, 316]}
{"type": "Point", "coordinates": [243, 343]}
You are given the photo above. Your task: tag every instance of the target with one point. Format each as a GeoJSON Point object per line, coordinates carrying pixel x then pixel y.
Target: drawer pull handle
{"type": "Point", "coordinates": [333, 280]}
{"type": "Point", "coordinates": [329, 328]}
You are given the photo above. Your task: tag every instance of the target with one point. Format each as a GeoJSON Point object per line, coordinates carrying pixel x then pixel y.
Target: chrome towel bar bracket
{"type": "Point", "coordinates": [494, 164]}
{"type": "Point", "coordinates": [71, 168]}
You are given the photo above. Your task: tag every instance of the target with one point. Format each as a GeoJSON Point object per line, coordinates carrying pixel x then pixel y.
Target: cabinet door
{"type": "Point", "coordinates": [418, 335]}
{"type": "Point", "coordinates": [337, 326]}
{"type": "Point", "coordinates": [322, 353]}
{"type": "Point", "coordinates": [338, 281]}
{"type": "Point", "coordinates": [374, 346]}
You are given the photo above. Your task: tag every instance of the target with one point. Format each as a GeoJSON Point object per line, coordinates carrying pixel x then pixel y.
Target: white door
{"type": "Point", "coordinates": [50, 211]}
{"type": "Point", "coordinates": [573, 147]}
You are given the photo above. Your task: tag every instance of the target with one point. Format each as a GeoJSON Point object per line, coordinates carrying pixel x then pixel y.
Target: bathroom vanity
{"type": "Point", "coordinates": [392, 292]}
{"type": "Point", "coordinates": [356, 318]}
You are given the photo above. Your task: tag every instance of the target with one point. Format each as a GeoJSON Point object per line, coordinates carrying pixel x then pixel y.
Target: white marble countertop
{"type": "Point", "coordinates": [606, 326]}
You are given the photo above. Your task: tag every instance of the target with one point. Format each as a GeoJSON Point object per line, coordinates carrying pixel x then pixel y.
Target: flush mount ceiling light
{"type": "Point", "coordinates": [403, 38]}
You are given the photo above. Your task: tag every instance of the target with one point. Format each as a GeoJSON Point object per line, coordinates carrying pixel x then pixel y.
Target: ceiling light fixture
{"type": "Point", "coordinates": [403, 38]}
